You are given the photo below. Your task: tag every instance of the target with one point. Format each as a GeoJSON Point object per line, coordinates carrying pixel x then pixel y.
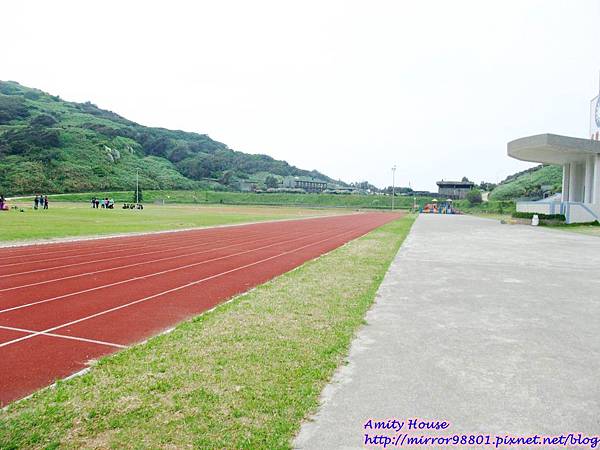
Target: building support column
{"type": "Point", "coordinates": [596, 197]}
{"type": "Point", "coordinates": [573, 194]}
{"type": "Point", "coordinates": [566, 182]}
{"type": "Point", "coordinates": [580, 192]}
{"type": "Point", "coordinates": [589, 180]}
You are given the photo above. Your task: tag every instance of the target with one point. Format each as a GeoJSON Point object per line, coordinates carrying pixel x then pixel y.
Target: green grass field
{"type": "Point", "coordinates": [579, 228]}
{"type": "Point", "coordinates": [251, 198]}
{"type": "Point", "coordinates": [242, 376]}
{"type": "Point", "coordinates": [79, 219]}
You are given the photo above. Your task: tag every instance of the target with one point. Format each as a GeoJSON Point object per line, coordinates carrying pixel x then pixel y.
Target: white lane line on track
{"type": "Point", "coordinates": [187, 266]}
{"type": "Point", "coordinates": [131, 249]}
{"type": "Point", "coordinates": [72, 250]}
{"type": "Point", "coordinates": [63, 336]}
{"type": "Point", "coordinates": [82, 263]}
{"type": "Point", "coordinates": [54, 280]}
{"type": "Point", "coordinates": [160, 294]}
{"type": "Point", "coordinates": [5, 258]}
{"type": "Point", "coordinates": [124, 247]}
{"type": "Point", "coordinates": [136, 234]}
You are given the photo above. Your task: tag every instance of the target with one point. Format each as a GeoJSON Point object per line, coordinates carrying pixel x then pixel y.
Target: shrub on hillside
{"type": "Point", "coordinates": [10, 88]}
{"type": "Point", "coordinates": [489, 207]}
{"type": "Point", "coordinates": [12, 108]}
{"type": "Point", "coordinates": [32, 95]}
{"type": "Point", "coordinates": [474, 197]}
{"type": "Point", "coordinates": [28, 140]}
{"type": "Point", "coordinates": [43, 120]}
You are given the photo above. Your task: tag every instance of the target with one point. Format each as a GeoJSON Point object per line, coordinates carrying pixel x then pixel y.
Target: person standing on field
{"type": "Point", "coordinates": [45, 202]}
{"type": "Point", "coordinates": [36, 201]}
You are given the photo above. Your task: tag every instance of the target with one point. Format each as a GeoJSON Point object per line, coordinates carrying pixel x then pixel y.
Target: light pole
{"type": "Point", "coordinates": [137, 186]}
{"type": "Point", "coordinates": [393, 185]}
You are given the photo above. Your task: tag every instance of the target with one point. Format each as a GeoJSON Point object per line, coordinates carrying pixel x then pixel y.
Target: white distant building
{"type": "Point", "coordinates": [580, 160]}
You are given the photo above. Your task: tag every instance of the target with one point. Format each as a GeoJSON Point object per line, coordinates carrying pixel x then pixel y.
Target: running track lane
{"type": "Point", "coordinates": [62, 305]}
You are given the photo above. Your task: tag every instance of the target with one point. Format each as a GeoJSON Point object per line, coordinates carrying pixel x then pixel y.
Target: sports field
{"type": "Point", "coordinates": [270, 350]}
{"type": "Point", "coordinates": [64, 304]}
{"type": "Point", "coordinates": [79, 219]}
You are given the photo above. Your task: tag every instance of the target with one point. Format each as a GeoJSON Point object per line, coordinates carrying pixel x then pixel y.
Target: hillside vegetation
{"type": "Point", "coordinates": [529, 183]}
{"type": "Point", "coordinates": [51, 145]}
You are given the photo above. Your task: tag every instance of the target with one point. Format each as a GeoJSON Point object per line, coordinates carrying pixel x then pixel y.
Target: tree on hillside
{"type": "Point", "coordinates": [474, 197]}
{"type": "Point", "coordinates": [487, 187]}
{"type": "Point", "coordinates": [397, 190]}
{"type": "Point", "coordinates": [12, 108]}
{"type": "Point", "coordinates": [365, 185]}
{"type": "Point", "coordinates": [139, 197]}
{"type": "Point", "coordinates": [226, 178]}
{"type": "Point", "coordinates": [271, 182]}
{"type": "Point", "coordinates": [43, 120]}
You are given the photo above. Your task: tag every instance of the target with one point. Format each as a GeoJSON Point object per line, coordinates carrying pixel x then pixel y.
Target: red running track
{"type": "Point", "coordinates": [62, 305]}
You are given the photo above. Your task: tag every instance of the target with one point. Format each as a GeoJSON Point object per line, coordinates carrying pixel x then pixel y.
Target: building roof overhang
{"type": "Point", "coordinates": [553, 149]}
{"type": "Point", "coordinates": [465, 184]}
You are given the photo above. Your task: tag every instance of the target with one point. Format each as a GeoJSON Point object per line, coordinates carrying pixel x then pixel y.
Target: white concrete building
{"type": "Point", "coordinates": [580, 159]}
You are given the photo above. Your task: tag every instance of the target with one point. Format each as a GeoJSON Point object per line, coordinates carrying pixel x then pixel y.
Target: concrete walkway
{"type": "Point", "coordinates": [494, 328]}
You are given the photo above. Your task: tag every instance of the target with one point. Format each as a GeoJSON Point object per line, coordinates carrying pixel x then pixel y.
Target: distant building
{"type": "Point", "coordinates": [309, 185]}
{"type": "Point", "coordinates": [579, 201]}
{"type": "Point", "coordinates": [342, 189]}
{"type": "Point", "coordinates": [454, 189]}
{"type": "Point", "coordinates": [580, 159]}
{"type": "Point", "coordinates": [247, 185]}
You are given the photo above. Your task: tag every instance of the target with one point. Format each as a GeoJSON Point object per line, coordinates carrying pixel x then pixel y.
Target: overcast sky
{"type": "Point", "coordinates": [349, 88]}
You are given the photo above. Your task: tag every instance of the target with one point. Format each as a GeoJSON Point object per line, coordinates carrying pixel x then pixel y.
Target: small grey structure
{"type": "Point", "coordinates": [309, 185]}
{"type": "Point", "coordinates": [247, 185]}
{"type": "Point", "coordinates": [454, 189]}
{"type": "Point", "coordinates": [580, 159]}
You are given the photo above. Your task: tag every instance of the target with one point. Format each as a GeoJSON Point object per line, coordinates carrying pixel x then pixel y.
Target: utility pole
{"type": "Point", "coordinates": [137, 186]}
{"type": "Point", "coordinates": [393, 185]}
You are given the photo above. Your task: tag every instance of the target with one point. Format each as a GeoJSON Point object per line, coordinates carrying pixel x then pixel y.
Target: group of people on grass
{"type": "Point", "coordinates": [108, 203]}
{"type": "Point", "coordinates": [40, 201]}
{"type": "Point", "coordinates": [133, 206]}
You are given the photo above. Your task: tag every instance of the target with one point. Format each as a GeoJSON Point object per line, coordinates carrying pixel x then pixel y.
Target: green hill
{"type": "Point", "coordinates": [529, 183]}
{"type": "Point", "coordinates": [51, 145]}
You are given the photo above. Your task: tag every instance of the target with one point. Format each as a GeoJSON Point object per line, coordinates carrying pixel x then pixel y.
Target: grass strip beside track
{"type": "Point", "coordinates": [244, 375]}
